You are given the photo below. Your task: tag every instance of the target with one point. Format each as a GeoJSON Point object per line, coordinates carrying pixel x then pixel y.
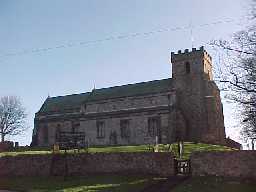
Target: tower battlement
{"type": "Point", "coordinates": [190, 54]}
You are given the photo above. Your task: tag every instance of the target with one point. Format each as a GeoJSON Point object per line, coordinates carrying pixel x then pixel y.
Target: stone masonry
{"type": "Point", "coordinates": [240, 164]}
{"type": "Point", "coordinates": [227, 164]}
{"type": "Point", "coordinates": [84, 164]}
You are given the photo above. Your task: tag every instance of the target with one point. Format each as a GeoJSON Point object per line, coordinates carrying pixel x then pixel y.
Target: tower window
{"type": "Point", "coordinates": [187, 66]}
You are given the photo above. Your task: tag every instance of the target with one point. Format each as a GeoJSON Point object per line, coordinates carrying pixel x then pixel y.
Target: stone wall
{"type": "Point", "coordinates": [230, 164]}
{"type": "Point", "coordinates": [6, 146]}
{"type": "Point", "coordinates": [25, 165]}
{"type": "Point", "coordinates": [137, 110]}
{"type": "Point", "coordinates": [126, 103]}
{"type": "Point", "coordinates": [138, 128]}
{"type": "Point", "coordinates": [83, 164]}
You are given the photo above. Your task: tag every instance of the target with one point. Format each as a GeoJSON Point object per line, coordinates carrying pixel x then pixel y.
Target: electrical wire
{"type": "Point", "coordinates": [112, 38]}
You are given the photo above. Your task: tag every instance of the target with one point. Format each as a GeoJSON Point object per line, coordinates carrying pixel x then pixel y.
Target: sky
{"type": "Point", "coordinates": [64, 47]}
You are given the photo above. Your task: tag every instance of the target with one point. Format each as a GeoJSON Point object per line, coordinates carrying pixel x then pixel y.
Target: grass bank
{"type": "Point", "coordinates": [189, 147]}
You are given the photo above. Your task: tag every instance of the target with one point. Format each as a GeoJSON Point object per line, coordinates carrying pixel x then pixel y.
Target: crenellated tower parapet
{"type": "Point", "coordinates": [192, 62]}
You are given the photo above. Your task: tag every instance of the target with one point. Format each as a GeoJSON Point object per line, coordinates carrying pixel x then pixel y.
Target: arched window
{"type": "Point", "coordinates": [57, 133]}
{"type": "Point", "coordinates": [45, 134]}
{"type": "Point", "coordinates": [125, 128]}
{"type": "Point", "coordinates": [75, 126]}
{"type": "Point", "coordinates": [100, 129]}
{"type": "Point", "coordinates": [187, 66]}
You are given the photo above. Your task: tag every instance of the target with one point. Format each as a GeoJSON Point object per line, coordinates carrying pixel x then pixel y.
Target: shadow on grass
{"type": "Point", "coordinates": [74, 184]}
{"type": "Point", "coordinates": [216, 184]}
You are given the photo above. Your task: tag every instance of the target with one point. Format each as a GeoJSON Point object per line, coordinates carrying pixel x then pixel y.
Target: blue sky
{"type": "Point", "coordinates": [27, 25]}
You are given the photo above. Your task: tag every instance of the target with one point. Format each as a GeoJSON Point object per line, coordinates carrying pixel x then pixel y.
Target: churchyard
{"type": "Point", "coordinates": [189, 147]}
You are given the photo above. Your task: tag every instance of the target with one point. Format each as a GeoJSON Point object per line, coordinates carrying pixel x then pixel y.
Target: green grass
{"type": "Point", "coordinates": [188, 149]}
{"type": "Point", "coordinates": [216, 184]}
{"type": "Point", "coordinates": [112, 149]}
{"type": "Point", "coordinates": [28, 152]}
{"type": "Point", "coordinates": [124, 183]}
{"type": "Point", "coordinates": [96, 183]}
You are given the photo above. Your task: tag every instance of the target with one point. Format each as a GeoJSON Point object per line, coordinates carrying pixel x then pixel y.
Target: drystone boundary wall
{"type": "Point", "coordinates": [25, 165]}
{"type": "Point", "coordinates": [83, 164]}
{"type": "Point", "coordinates": [228, 164]}
{"type": "Point", "coordinates": [6, 146]}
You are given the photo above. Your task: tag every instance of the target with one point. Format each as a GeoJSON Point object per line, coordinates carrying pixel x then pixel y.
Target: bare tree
{"type": "Point", "coordinates": [249, 124]}
{"type": "Point", "coordinates": [238, 74]}
{"type": "Point", "coordinates": [12, 116]}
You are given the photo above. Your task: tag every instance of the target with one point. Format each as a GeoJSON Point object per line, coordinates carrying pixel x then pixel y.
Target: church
{"type": "Point", "coordinates": [185, 107]}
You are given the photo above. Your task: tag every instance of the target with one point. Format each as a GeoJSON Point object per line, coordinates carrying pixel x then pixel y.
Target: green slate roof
{"type": "Point", "coordinates": [73, 102]}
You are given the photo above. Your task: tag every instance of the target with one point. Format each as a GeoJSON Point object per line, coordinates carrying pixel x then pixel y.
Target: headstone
{"type": "Point", "coordinates": [56, 148]}
{"type": "Point", "coordinates": [16, 144]}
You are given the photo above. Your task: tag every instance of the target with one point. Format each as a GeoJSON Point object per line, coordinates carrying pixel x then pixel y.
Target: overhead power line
{"type": "Point", "coordinates": [111, 38]}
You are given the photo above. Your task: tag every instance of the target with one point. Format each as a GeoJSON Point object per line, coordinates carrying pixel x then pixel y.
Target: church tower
{"type": "Point", "coordinates": [199, 114]}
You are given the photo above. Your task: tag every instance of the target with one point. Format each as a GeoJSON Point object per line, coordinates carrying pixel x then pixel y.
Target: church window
{"type": "Point", "coordinates": [45, 134]}
{"type": "Point", "coordinates": [125, 128]}
{"type": "Point", "coordinates": [187, 65]}
{"type": "Point", "coordinates": [153, 126]}
{"type": "Point", "coordinates": [57, 134]}
{"type": "Point", "coordinates": [100, 129]}
{"type": "Point", "coordinates": [75, 126]}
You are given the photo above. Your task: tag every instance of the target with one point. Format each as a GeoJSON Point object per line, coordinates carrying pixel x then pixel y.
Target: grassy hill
{"type": "Point", "coordinates": [188, 149]}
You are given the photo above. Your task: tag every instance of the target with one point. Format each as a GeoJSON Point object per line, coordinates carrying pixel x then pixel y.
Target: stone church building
{"type": "Point", "coordinates": [187, 106]}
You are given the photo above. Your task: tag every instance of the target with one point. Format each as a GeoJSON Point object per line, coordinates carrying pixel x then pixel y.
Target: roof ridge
{"type": "Point", "coordinates": [69, 95]}
{"type": "Point", "coordinates": [134, 83]}
{"type": "Point", "coordinates": [90, 92]}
